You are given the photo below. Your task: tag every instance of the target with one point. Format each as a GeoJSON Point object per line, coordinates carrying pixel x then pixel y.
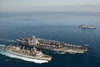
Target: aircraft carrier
{"type": "Point", "coordinates": [51, 45]}
{"type": "Point", "coordinates": [87, 26]}
{"type": "Point", "coordinates": [26, 53]}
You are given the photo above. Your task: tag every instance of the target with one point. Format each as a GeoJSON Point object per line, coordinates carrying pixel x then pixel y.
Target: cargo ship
{"type": "Point", "coordinates": [33, 54]}
{"type": "Point", "coordinates": [51, 45]}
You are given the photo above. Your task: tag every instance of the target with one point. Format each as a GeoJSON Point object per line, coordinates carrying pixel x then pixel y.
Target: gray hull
{"type": "Point", "coordinates": [63, 50]}
{"type": "Point", "coordinates": [54, 49]}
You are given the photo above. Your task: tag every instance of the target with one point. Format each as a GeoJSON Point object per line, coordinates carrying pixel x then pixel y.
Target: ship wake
{"type": "Point", "coordinates": [8, 40]}
{"type": "Point", "coordinates": [61, 52]}
{"type": "Point", "coordinates": [19, 57]}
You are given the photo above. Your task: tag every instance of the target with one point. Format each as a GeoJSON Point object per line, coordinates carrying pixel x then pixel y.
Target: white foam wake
{"type": "Point", "coordinates": [19, 57]}
{"type": "Point", "coordinates": [86, 44]}
{"type": "Point", "coordinates": [11, 40]}
{"type": "Point", "coordinates": [61, 52]}
{"type": "Point", "coordinates": [8, 40]}
{"type": "Point", "coordinates": [1, 45]}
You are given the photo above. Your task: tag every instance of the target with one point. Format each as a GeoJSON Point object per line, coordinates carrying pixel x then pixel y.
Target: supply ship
{"type": "Point", "coordinates": [51, 45]}
{"type": "Point", "coordinates": [26, 53]}
{"type": "Point", "coordinates": [87, 26]}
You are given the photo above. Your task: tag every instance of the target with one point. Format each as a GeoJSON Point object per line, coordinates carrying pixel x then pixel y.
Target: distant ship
{"type": "Point", "coordinates": [87, 26]}
{"type": "Point", "coordinates": [51, 45]}
{"type": "Point", "coordinates": [26, 53]}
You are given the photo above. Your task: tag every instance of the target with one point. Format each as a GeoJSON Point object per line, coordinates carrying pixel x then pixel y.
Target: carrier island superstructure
{"type": "Point", "coordinates": [51, 45]}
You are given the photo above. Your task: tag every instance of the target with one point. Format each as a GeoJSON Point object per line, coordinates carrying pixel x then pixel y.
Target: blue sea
{"type": "Point", "coordinates": [57, 26]}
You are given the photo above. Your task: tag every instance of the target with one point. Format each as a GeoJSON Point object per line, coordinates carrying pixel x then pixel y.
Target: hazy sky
{"type": "Point", "coordinates": [50, 5]}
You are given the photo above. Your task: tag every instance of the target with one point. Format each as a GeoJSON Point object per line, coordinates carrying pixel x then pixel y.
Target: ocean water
{"type": "Point", "coordinates": [58, 26]}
